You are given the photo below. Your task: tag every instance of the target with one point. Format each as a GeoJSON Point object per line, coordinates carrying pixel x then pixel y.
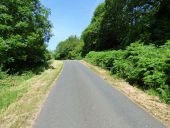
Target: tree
{"type": "Point", "coordinates": [160, 23]}
{"type": "Point", "coordinates": [24, 29]}
{"type": "Point", "coordinates": [71, 48]}
{"type": "Point", "coordinates": [91, 34]}
{"type": "Point", "coordinates": [118, 23]}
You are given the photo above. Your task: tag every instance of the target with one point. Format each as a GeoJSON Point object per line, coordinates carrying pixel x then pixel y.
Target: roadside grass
{"type": "Point", "coordinates": [21, 103]}
{"type": "Point", "coordinates": [11, 89]}
{"type": "Point", "coordinates": [149, 103]}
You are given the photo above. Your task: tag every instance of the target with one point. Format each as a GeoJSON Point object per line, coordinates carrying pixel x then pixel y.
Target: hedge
{"type": "Point", "coordinates": [147, 66]}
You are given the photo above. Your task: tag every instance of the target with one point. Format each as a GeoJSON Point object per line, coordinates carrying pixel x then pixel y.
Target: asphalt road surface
{"type": "Point", "coordinates": [81, 99]}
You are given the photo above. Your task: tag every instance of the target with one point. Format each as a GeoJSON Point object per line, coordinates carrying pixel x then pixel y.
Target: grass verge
{"type": "Point", "coordinates": [151, 104]}
{"type": "Point", "coordinates": [28, 98]}
{"type": "Point", "coordinates": [11, 88]}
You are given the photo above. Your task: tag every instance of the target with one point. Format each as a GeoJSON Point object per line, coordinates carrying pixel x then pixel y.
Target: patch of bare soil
{"type": "Point", "coordinates": [151, 104]}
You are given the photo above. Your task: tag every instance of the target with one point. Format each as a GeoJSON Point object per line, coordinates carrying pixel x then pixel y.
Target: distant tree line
{"type": "Point", "coordinates": [70, 48]}
{"type": "Point", "coordinates": [117, 23]}
{"type": "Point", "coordinates": [24, 29]}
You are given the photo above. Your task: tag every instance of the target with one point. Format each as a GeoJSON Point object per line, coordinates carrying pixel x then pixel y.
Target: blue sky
{"type": "Point", "coordinates": [69, 17]}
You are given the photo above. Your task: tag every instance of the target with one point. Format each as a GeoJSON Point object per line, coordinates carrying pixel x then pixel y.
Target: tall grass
{"type": "Point", "coordinates": [10, 89]}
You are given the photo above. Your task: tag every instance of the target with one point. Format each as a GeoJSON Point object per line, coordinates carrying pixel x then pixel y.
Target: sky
{"type": "Point", "coordinates": [69, 17]}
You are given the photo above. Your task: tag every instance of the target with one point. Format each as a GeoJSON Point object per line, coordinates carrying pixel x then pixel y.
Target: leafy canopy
{"type": "Point", "coordinates": [24, 29]}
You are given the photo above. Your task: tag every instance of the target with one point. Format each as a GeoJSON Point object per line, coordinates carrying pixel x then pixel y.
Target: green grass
{"type": "Point", "coordinates": [8, 96]}
{"type": "Point", "coordinates": [11, 89]}
{"type": "Point", "coordinates": [22, 96]}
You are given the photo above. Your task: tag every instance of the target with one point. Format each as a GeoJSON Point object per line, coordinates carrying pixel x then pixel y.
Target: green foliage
{"type": "Point", "coordinates": [117, 23]}
{"type": "Point", "coordinates": [160, 23]}
{"type": "Point", "coordinates": [71, 48]}
{"type": "Point", "coordinates": [91, 34]}
{"type": "Point", "coordinates": [24, 29]}
{"type": "Point", "coordinates": [145, 65]}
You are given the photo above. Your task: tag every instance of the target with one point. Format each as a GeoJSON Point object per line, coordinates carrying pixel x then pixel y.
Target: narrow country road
{"type": "Point", "coordinates": [81, 99]}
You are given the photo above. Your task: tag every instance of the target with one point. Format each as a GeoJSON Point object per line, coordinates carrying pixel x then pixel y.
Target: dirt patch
{"type": "Point", "coordinates": [151, 104]}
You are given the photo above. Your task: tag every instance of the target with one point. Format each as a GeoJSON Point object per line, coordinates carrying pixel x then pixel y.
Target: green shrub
{"type": "Point", "coordinates": [147, 66]}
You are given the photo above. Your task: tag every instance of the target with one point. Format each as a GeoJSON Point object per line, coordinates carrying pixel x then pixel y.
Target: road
{"type": "Point", "coordinates": [81, 99]}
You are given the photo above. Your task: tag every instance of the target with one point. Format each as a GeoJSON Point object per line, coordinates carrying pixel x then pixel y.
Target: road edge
{"type": "Point", "coordinates": [158, 115]}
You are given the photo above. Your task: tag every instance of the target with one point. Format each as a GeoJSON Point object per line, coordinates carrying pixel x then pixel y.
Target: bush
{"type": "Point", "coordinates": [147, 66]}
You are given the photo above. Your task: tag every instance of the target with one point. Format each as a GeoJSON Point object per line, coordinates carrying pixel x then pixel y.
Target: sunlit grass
{"type": "Point", "coordinates": [21, 103]}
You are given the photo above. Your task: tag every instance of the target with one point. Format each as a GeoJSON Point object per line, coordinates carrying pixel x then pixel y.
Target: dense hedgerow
{"type": "Point", "coordinates": [147, 66]}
